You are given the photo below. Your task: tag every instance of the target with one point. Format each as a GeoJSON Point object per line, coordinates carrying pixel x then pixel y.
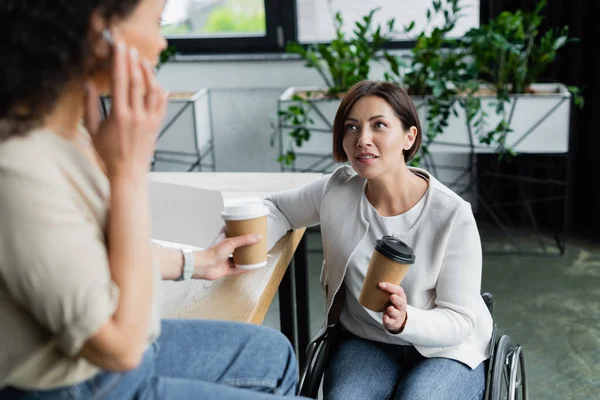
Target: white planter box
{"type": "Point", "coordinates": [539, 122]}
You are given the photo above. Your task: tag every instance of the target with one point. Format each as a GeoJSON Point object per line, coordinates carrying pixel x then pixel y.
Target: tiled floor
{"type": "Point", "coordinates": [549, 304]}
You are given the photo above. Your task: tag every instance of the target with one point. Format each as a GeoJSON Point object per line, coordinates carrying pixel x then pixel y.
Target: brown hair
{"type": "Point", "coordinates": [396, 97]}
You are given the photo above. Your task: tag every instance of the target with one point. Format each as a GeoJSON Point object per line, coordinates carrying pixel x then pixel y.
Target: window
{"type": "Point", "coordinates": [210, 18]}
{"type": "Point", "coordinates": [254, 26]}
{"type": "Point", "coordinates": [228, 26]}
{"type": "Point", "coordinates": [315, 17]}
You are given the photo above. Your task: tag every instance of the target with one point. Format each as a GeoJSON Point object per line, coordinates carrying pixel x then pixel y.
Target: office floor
{"type": "Point", "coordinates": [549, 304]}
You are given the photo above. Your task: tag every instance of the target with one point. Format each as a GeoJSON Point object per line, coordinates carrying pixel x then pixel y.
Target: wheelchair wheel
{"type": "Point", "coordinates": [508, 375]}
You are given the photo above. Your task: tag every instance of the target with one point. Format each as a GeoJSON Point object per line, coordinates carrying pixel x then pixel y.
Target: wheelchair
{"type": "Point", "coordinates": [506, 368]}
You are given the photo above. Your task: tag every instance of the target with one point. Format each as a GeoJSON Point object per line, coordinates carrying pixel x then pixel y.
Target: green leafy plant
{"type": "Point", "coordinates": [578, 98]}
{"type": "Point", "coordinates": [342, 63]}
{"type": "Point", "coordinates": [438, 71]}
{"type": "Point", "coordinates": [297, 116]}
{"type": "Point", "coordinates": [500, 58]}
{"type": "Point", "coordinates": [509, 54]}
{"type": "Point", "coordinates": [433, 55]}
{"type": "Point", "coordinates": [166, 55]}
{"type": "Point", "coordinates": [345, 60]}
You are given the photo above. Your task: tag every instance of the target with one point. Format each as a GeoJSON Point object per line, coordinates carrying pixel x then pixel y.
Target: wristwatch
{"type": "Point", "coordinates": [188, 265]}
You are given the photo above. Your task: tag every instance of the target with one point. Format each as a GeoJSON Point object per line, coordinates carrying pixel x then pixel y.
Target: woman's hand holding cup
{"type": "Point", "coordinates": [216, 261]}
{"type": "Point", "coordinates": [394, 316]}
{"type": "Point", "coordinates": [125, 141]}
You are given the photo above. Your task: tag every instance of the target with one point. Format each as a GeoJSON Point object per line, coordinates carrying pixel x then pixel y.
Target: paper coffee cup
{"type": "Point", "coordinates": [390, 262]}
{"type": "Point", "coordinates": [241, 218]}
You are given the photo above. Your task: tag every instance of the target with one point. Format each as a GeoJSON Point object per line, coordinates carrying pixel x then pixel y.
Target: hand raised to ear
{"type": "Point", "coordinates": [125, 140]}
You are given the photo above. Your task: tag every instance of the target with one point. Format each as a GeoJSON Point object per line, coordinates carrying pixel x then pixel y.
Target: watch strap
{"type": "Point", "coordinates": [188, 265]}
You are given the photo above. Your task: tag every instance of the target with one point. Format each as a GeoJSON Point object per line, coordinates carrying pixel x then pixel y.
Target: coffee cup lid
{"type": "Point", "coordinates": [395, 249]}
{"type": "Point", "coordinates": [244, 209]}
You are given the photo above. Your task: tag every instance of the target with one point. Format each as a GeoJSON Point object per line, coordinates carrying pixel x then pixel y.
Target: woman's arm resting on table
{"type": "Point", "coordinates": [296, 208]}
{"type": "Point", "coordinates": [212, 263]}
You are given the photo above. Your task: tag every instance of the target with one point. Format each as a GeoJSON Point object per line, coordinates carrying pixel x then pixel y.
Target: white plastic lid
{"type": "Point", "coordinates": [244, 209]}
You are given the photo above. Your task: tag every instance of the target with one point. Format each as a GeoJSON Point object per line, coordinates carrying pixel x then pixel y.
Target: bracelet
{"type": "Point", "coordinates": [188, 265]}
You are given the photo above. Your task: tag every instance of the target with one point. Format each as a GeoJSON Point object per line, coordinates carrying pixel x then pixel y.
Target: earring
{"type": "Point", "coordinates": [102, 54]}
{"type": "Point", "coordinates": [107, 36]}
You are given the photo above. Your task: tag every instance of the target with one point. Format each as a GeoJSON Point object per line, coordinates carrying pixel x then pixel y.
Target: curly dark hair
{"type": "Point", "coordinates": [44, 45]}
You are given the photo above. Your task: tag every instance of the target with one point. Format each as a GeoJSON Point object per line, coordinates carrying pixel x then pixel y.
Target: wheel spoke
{"type": "Point", "coordinates": [514, 369]}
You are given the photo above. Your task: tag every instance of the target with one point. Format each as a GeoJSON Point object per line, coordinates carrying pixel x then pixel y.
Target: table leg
{"type": "Point", "coordinates": [287, 315]}
{"type": "Point", "coordinates": [302, 298]}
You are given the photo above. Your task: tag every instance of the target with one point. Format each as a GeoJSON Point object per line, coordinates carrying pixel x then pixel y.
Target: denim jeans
{"type": "Point", "coordinates": [362, 369]}
{"type": "Point", "coordinates": [195, 359]}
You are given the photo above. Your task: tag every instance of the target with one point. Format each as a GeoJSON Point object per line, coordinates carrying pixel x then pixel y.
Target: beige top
{"type": "Point", "coordinates": [55, 285]}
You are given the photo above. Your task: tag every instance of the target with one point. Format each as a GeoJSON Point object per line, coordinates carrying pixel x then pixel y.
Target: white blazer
{"type": "Point", "coordinates": [446, 314]}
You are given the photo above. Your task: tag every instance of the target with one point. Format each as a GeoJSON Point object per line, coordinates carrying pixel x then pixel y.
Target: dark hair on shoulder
{"type": "Point", "coordinates": [396, 97]}
{"type": "Point", "coordinates": [44, 45]}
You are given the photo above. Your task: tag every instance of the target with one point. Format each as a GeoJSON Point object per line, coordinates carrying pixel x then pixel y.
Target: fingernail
{"type": "Point", "coordinates": [382, 285]}
{"type": "Point", "coordinates": [147, 64]}
{"type": "Point", "coordinates": [257, 237]}
{"type": "Point", "coordinates": [134, 53]}
{"type": "Point", "coordinates": [120, 46]}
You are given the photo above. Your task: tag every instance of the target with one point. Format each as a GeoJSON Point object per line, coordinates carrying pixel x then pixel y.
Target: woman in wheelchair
{"type": "Point", "coordinates": [432, 340]}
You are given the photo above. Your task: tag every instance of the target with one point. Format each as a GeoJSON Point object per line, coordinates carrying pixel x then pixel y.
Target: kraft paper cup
{"type": "Point", "coordinates": [242, 218]}
{"type": "Point", "coordinates": [390, 262]}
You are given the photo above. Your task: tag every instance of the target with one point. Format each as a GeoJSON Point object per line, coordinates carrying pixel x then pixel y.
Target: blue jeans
{"type": "Point", "coordinates": [195, 359]}
{"type": "Point", "coordinates": [362, 369]}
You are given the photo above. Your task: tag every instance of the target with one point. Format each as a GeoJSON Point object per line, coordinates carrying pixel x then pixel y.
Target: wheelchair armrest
{"type": "Point", "coordinates": [489, 301]}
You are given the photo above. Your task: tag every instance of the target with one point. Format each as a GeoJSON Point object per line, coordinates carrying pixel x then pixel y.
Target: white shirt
{"type": "Point", "coordinates": [355, 318]}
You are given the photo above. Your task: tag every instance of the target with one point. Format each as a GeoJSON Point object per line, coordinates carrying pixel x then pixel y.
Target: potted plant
{"type": "Point", "coordinates": [343, 62]}
{"type": "Point", "coordinates": [509, 55]}
{"type": "Point", "coordinates": [479, 91]}
{"type": "Point", "coordinates": [485, 84]}
{"type": "Point", "coordinates": [434, 76]}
